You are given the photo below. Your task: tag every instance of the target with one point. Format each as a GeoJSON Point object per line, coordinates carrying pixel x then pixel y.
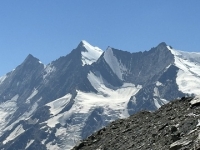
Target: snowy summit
{"type": "Point", "coordinates": [91, 54]}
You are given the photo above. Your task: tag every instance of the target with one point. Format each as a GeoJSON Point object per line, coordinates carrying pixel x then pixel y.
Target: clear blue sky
{"type": "Point", "coordinates": [49, 29]}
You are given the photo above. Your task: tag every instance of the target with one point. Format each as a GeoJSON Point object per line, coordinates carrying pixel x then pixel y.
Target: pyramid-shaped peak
{"type": "Point", "coordinates": [88, 46]}
{"type": "Point", "coordinates": [84, 42]}
{"type": "Point", "coordinates": [31, 59]}
{"type": "Point", "coordinates": [162, 44]}
{"type": "Point", "coordinates": [89, 53]}
{"type": "Point", "coordinates": [84, 46]}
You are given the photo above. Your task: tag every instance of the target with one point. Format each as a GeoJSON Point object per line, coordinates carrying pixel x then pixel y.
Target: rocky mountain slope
{"type": "Point", "coordinates": [174, 126]}
{"type": "Point", "coordinates": [54, 106]}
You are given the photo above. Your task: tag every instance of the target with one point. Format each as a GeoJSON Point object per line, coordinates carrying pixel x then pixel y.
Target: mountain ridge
{"type": "Point", "coordinates": [56, 105]}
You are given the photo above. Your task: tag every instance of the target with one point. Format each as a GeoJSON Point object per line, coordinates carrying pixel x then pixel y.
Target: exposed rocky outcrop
{"type": "Point", "coordinates": [174, 126]}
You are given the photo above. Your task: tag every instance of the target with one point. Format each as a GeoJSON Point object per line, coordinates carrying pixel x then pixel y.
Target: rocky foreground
{"type": "Point", "coordinates": [175, 126]}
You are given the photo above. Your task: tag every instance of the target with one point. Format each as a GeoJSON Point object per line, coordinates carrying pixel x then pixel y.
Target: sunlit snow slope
{"type": "Point", "coordinates": [188, 76]}
{"type": "Point", "coordinates": [91, 54]}
{"type": "Point", "coordinates": [113, 101]}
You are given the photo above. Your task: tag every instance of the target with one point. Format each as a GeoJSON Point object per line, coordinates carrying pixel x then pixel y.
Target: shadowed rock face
{"type": "Point", "coordinates": [174, 126]}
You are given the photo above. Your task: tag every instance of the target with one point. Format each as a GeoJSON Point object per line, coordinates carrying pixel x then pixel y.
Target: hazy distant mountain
{"type": "Point", "coordinates": [54, 106]}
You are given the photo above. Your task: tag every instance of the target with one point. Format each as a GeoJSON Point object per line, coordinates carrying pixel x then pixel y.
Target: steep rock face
{"type": "Point", "coordinates": [28, 74]}
{"type": "Point", "coordinates": [16, 91]}
{"type": "Point", "coordinates": [146, 69]}
{"type": "Point", "coordinates": [55, 106]}
{"type": "Point", "coordinates": [154, 95]}
{"type": "Point", "coordinates": [173, 126]}
{"type": "Point", "coordinates": [66, 75]}
{"type": "Point", "coordinates": [40, 85]}
{"type": "Point", "coordinates": [139, 67]}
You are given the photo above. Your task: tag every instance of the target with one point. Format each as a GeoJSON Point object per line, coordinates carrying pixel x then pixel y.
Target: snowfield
{"type": "Point", "coordinates": [18, 130]}
{"type": "Point", "coordinates": [7, 109]}
{"type": "Point", "coordinates": [2, 78]}
{"type": "Point", "coordinates": [91, 55]}
{"type": "Point", "coordinates": [59, 104]}
{"type": "Point", "coordinates": [113, 101]}
{"type": "Point", "coordinates": [188, 77]}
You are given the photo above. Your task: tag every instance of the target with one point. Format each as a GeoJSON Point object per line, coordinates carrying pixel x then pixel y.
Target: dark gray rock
{"type": "Point", "coordinates": [174, 126]}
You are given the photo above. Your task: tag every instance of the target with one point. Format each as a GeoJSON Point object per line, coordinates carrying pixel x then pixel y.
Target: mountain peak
{"type": "Point", "coordinates": [82, 45]}
{"type": "Point", "coordinates": [89, 53]}
{"type": "Point", "coordinates": [30, 56]}
{"type": "Point", "coordinates": [30, 59]}
{"type": "Point", "coordinates": [83, 42]}
{"type": "Point", "coordinates": [162, 44]}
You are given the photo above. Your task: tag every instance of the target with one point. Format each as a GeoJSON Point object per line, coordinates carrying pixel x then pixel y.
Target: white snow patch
{"type": "Point", "coordinates": [164, 101]}
{"type": "Point", "coordinates": [91, 54]}
{"type": "Point", "coordinates": [180, 142]}
{"type": "Point", "coordinates": [6, 111]}
{"type": "Point", "coordinates": [35, 91]}
{"type": "Point", "coordinates": [198, 123]}
{"type": "Point", "coordinates": [56, 107]}
{"type": "Point", "coordinates": [43, 141]}
{"type": "Point", "coordinates": [25, 116]}
{"type": "Point", "coordinates": [58, 104]}
{"type": "Point", "coordinates": [54, 120]}
{"type": "Point", "coordinates": [115, 100]}
{"type": "Point", "coordinates": [14, 99]}
{"type": "Point", "coordinates": [157, 100]}
{"type": "Point", "coordinates": [156, 103]}
{"type": "Point", "coordinates": [71, 134]}
{"type": "Point", "coordinates": [195, 100]}
{"type": "Point", "coordinates": [32, 121]}
{"type": "Point", "coordinates": [29, 143]}
{"type": "Point", "coordinates": [2, 79]}
{"type": "Point", "coordinates": [139, 86]}
{"type": "Point", "coordinates": [159, 83]}
{"type": "Point", "coordinates": [188, 77]}
{"type": "Point", "coordinates": [48, 70]}
{"type": "Point", "coordinates": [134, 100]}
{"type": "Point", "coordinates": [117, 67]}
{"type": "Point", "coordinates": [60, 131]}
{"type": "Point", "coordinates": [156, 92]}
{"type": "Point", "coordinates": [18, 130]}
{"type": "Point", "coordinates": [28, 113]}
{"type": "Point", "coordinates": [51, 146]}
{"type": "Point", "coordinates": [98, 82]}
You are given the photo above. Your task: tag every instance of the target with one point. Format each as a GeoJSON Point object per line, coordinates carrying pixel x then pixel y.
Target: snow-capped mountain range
{"type": "Point", "coordinates": [54, 106]}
